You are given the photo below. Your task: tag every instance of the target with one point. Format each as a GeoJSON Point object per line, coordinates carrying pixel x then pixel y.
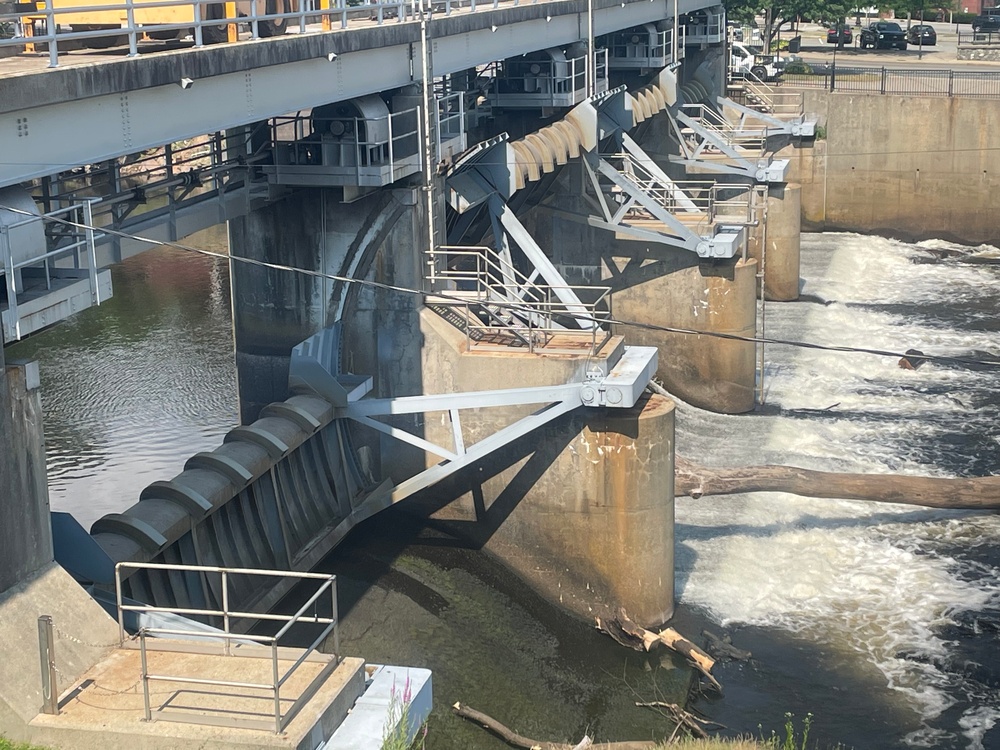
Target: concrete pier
{"type": "Point", "coordinates": [782, 236]}
{"type": "Point", "coordinates": [583, 509]}
{"type": "Point", "coordinates": [25, 531]}
{"type": "Point", "coordinates": [712, 373]}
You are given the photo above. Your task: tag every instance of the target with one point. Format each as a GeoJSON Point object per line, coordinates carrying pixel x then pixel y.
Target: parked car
{"type": "Point", "coordinates": [883, 35]}
{"type": "Point", "coordinates": [986, 23]}
{"type": "Point", "coordinates": [840, 32]}
{"type": "Point", "coordinates": [922, 34]}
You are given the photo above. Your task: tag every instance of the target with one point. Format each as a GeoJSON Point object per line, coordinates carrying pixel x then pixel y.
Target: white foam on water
{"type": "Point", "coordinates": [869, 579]}
{"type": "Point", "coordinates": [976, 723]}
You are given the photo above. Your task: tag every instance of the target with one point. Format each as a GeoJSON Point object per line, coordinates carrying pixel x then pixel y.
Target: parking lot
{"type": "Point", "coordinates": [944, 54]}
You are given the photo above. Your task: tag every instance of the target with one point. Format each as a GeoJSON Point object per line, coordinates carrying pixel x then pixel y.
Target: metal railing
{"type": "Point", "coordinates": [894, 81]}
{"type": "Point", "coordinates": [355, 144]}
{"type": "Point", "coordinates": [227, 636]}
{"type": "Point", "coordinates": [557, 83]}
{"type": "Point", "coordinates": [750, 37]}
{"type": "Point", "coordinates": [772, 100]}
{"type": "Point", "coordinates": [699, 204]}
{"type": "Point", "coordinates": [65, 243]}
{"type": "Point", "coordinates": [49, 23]}
{"type": "Point", "coordinates": [498, 298]}
{"type": "Point", "coordinates": [979, 39]}
{"type": "Point", "coordinates": [752, 141]}
{"type": "Point", "coordinates": [703, 26]}
{"type": "Point", "coordinates": [634, 48]}
{"type": "Point", "coordinates": [450, 124]}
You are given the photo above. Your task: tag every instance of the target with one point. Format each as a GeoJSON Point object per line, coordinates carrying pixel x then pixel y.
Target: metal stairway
{"type": "Point", "coordinates": [713, 143]}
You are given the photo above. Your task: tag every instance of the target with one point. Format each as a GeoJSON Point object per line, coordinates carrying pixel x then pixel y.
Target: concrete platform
{"type": "Point", "coordinates": [106, 706]}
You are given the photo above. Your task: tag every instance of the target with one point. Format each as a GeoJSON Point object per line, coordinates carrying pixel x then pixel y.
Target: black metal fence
{"type": "Point", "coordinates": [979, 39]}
{"type": "Point", "coordinates": [915, 82]}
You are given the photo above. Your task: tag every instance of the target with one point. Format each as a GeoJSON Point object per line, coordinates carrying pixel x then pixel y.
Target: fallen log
{"type": "Point", "coordinates": [628, 633]}
{"type": "Point", "coordinates": [977, 493]}
{"type": "Point", "coordinates": [513, 738]}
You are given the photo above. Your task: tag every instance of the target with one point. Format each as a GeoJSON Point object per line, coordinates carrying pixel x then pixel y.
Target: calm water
{"type": "Point", "coordinates": [132, 388]}
{"type": "Point", "coordinates": [883, 621]}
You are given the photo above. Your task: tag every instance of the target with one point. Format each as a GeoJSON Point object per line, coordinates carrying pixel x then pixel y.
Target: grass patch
{"type": "Point", "coordinates": [6, 744]}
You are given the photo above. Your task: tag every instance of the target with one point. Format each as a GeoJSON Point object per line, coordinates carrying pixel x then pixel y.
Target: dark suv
{"type": "Point", "coordinates": [986, 23]}
{"type": "Point", "coordinates": [883, 35]}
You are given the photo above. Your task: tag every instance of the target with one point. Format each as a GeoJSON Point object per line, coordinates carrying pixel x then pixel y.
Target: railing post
{"type": "Point", "coordinates": [197, 25]}
{"type": "Point", "coordinates": [883, 79]}
{"type": "Point", "coordinates": [336, 620]}
{"type": "Point", "coordinates": [8, 258]}
{"type": "Point", "coordinates": [47, 653]}
{"type": "Point", "coordinates": [277, 687]}
{"type": "Point", "coordinates": [391, 160]}
{"type": "Point", "coordinates": [225, 610]}
{"type": "Point", "coordinates": [88, 223]}
{"type": "Point", "coordinates": [147, 714]}
{"type": "Point", "coordinates": [133, 45]}
{"type": "Point", "coordinates": [833, 77]}
{"type": "Point", "coordinates": [118, 600]}
{"type": "Point", "coordinates": [253, 20]}
{"type": "Point", "coordinates": [951, 82]}
{"type": "Point", "coordinates": [50, 31]}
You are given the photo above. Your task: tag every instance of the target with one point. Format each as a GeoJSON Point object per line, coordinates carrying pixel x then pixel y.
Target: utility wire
{"type": "Point", "coordinates": [237, 163]}
{"type": "Point", "coordinates": [515, 307]}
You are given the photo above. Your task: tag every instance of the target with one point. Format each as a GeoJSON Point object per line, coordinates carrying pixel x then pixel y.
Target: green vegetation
{"type": "Point", "coordinates": [397, 723]}
{"type": "Point", "coordinates": [798, 68]}
{"type": "Point", "coordinates": [6, 744]}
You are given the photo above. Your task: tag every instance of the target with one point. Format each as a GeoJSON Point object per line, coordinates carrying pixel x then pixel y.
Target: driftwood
{"type": "Point", "coordinates": [978, 493]}
{"type": "Point", "coordinates": [513, 738]}
{"type": "Point", "coordinates": [627, 633]}
{"type": "Point", "coordinates": [723, 647]}
{"type": "Point", "coordinates": [684, 719]}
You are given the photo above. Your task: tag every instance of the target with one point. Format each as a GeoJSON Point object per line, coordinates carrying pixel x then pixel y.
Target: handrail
{"type": "Point", "coordinates": [691, 198]}
{"type": "Point", "coordinates": [512, 301]}
{"type": "Point", "coordinates": [321, 15]}
{"type": "Point", "coordinates": [328, 583]}
{"type": "Point", "coordinates": [715, 123]}
{"type": "Point", "coordinates": [777, 103]}
{"type": "Point", "coordinates": [81, 249]}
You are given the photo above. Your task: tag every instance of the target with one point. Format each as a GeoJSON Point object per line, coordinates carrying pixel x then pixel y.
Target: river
{"type": "Point", "coordinates": [882, 621]}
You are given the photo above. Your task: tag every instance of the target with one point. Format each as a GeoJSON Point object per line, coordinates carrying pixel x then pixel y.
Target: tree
{"type": "Point", "coordinates": [779, 14]}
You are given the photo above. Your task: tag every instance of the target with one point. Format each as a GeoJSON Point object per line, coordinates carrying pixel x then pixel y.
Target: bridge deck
{"type": "Point", "coordinates": [105, 105]}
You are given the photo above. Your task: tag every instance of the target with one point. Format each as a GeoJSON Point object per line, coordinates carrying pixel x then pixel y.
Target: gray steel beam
{"type": "Point", "coordinates": [140, 104]}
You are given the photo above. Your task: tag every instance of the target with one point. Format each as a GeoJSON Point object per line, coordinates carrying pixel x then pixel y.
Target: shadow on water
{"type": "Point", "coordinates": [413, 595]}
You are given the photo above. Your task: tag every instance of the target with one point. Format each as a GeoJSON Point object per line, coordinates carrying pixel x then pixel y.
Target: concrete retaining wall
{"type": "Point", "coordinates": [912, 167]}
{"type": "Point", "coordinates": [25, 530]}
{"type": "Point", "coordinates": [992, 55]}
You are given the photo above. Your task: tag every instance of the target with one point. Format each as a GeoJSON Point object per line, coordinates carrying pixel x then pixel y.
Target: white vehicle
{"type": "Point", "coordinates": [743, 63]}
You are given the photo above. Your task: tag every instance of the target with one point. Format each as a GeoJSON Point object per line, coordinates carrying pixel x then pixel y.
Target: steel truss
{"type": "Point", "coordinates": [315, 367]}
